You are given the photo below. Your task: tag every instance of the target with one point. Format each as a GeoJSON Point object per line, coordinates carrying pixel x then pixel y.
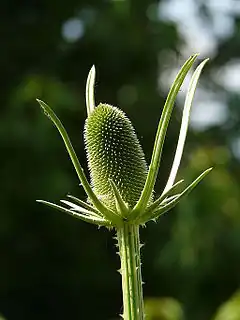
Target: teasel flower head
{"type": "Point", "coordinates": [121, 189]}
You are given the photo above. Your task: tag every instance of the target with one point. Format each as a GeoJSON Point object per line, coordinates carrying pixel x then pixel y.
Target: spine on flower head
{"type": "Point", "coordinates": [114, 153]}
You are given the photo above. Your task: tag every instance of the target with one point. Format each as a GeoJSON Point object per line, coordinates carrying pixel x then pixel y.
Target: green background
{"type": "Point", "coordinates": [55, 267]}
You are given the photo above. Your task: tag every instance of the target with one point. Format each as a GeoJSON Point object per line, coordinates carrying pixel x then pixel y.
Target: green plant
{"type": "Point", "coordinates": [121, 193]}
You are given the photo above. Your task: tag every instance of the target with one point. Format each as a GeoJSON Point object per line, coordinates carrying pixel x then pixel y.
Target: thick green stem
{"type": "Point", "coordinates": [129, 249]}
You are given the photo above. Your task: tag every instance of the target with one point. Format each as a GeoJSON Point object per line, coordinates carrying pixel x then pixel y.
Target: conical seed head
{"type": "Point", "coordinates": [114, 152]}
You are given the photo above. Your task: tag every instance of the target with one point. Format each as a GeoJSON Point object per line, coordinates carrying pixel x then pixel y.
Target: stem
{"type": "Point", "coordinates": [129, 249]}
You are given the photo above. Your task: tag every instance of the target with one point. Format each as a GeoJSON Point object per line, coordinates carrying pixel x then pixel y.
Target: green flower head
{"type": "Point", "coordinates": [114, 153]}
{"type": "Point", "coordinates": [122, 185]}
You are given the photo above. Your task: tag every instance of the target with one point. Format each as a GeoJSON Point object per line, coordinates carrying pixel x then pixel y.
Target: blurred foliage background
{"type": "Point", "coordinates": [55, 267]}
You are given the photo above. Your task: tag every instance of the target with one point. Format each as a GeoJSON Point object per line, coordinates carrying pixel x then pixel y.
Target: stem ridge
{"type": "Point", "coordinates": [129, 250]}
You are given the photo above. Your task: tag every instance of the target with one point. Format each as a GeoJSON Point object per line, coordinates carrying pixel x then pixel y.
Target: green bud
{"type": "Point", "coordinates": [114, 153]}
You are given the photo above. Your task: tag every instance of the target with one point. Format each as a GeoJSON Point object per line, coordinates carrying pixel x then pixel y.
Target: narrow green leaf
{"type": "Point", "coordinates": [168, 199]}
{"type": "Point", "coordinates": [84, 204]}
{"type": "Point", "coordinates": [108, 214]}
{"type": "Point", "coordinates": [90, 101]}
{"type": "Point", "coordinates": [160, 137]}
{"type": "Point", "coordinates": [148, 212]}
{"type": "Point", "coordinates": [172, 189]}
{"type": "Point", "coordinates": [155, 214]}
{"type": "Point", "coordinates": [89, 219]}
{"type": "Point", "coordinates": [163, 196]}
{"type": "Point", "coordinates": [120, 204]}
{"type": "Point", "coordinates": [184, 124]}
{"type": "Point", "coordinates": [77, 208]}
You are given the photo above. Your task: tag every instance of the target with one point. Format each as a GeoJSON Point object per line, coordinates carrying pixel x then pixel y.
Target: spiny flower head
{"type": "Point", "coordinates": [122, 186]}
{"type": "Point", "coordinates": [114, 153]}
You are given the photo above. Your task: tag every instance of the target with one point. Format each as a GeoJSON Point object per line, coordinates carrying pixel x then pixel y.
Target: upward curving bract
{"type": "Point", "coordinates": [114, 154]}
